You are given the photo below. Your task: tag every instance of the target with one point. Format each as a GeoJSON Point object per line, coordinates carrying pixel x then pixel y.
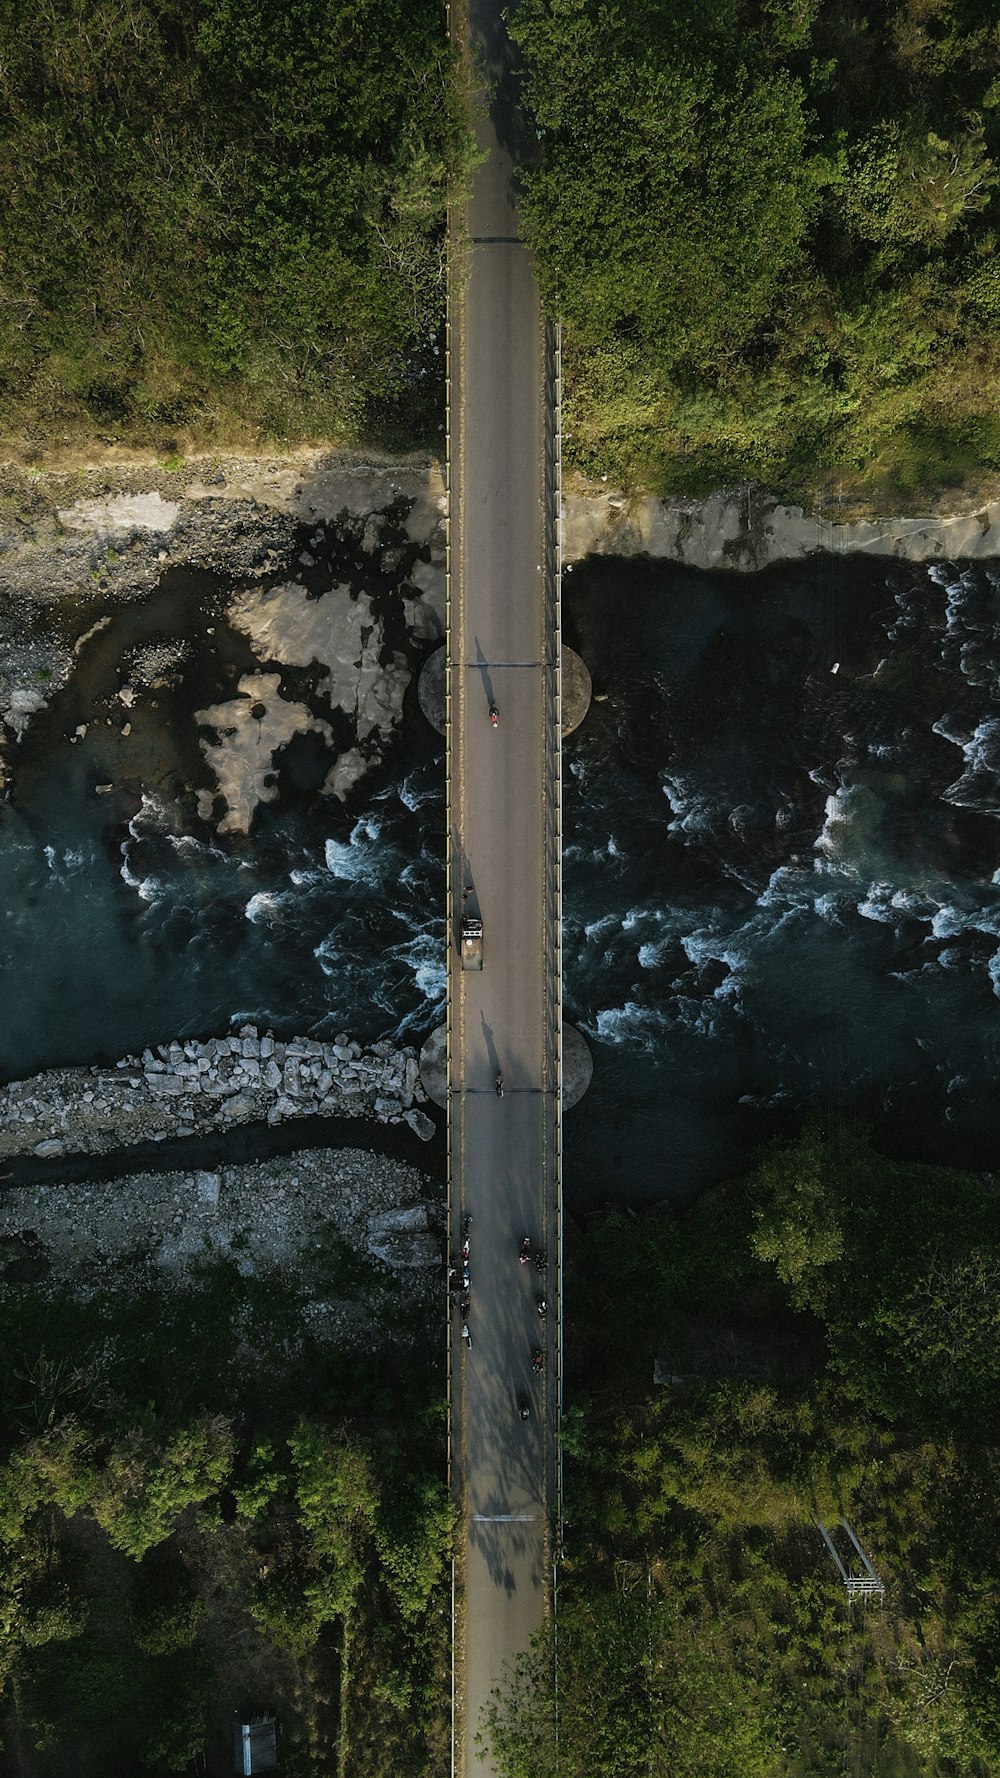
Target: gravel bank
{"type": "Point", "coordinates": [152, 1231]}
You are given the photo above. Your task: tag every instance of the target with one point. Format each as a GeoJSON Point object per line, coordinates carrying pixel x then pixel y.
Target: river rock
{"type": "Point", "coordinates": [241, 1108]}
{"type": "Point", "coordinates": [419, 1123]}
{"type": "Point", "coordinates": [404, 1238]}
{"type": "Point", "coordinates": [206, 1187]}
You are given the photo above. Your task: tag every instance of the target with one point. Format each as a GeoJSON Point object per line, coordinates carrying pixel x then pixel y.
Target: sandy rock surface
{"type": "Point", "coordinates": [251, 729]}
{"type": "Point", "coordinates": [121, 515]}
{"type": "Point", "coordinates": [747, 529]}
{"type": "Point", "coordinates": [65, 561]}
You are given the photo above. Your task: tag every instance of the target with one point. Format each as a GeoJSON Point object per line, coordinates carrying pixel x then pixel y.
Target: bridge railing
{"type": "Point", "coordinates": [553, 851]}
{"type": "Point", "coordinates": [452, 683]}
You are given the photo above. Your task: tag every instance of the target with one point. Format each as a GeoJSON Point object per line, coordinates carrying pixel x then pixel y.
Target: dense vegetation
{"type": "Point", "coordinates": [769, 227]}
{"type": "Point", "coordinates": [203, 1511]}
{"type": "Point", "coordinates": [223, 218]}
{"type": "Point", "coordinates": [827, 1336]}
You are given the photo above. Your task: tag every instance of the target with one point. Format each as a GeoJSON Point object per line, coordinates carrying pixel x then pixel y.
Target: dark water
{"type": "Point", "coordinates": [781, 880]}
{"type": "Point", "coordinates": [125, 919]}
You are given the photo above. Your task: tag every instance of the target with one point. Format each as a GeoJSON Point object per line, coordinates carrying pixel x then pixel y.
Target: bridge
{"type": "Point", "coordinates": [504, 844]}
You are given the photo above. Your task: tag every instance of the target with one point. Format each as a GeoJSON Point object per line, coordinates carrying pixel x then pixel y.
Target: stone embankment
{"type": "Point", "coordinates": [189, 1089]}
{"type": "Point", "coordinates": [745, 529]}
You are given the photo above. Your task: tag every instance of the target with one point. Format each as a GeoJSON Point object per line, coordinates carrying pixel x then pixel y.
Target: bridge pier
{"type": "Point", "coordinates": [576, 689]}
{"type": "Point", "coordinates": [577, 1066]}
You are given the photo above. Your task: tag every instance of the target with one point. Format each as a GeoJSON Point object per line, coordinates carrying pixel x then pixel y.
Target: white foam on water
{"type": "Point", "coordinates": [265, 908]}
{"type": "Point", "coordinates": [705, 946]}
{"type": "Point", "coordinates": [979, 785]}
{"type": "Point", "coordinates": [153, 816]}
{"type": "Point", "coordinates": [431, 979]}
{"type": "Point", "coordinates": [358, 859]}
{"type": "Point", "coordinates": [595, 930]}
{"type": "Point", "coordinates": [952, 728]}
{"type": "Point", "coordinates": [638, 1026]}
{"type": "Point", "coordinates": [847, 843]}
{"type": "Point", "coordinates": [187, 846]}
{"type": "Point", "coordinates": [693, 814]}
{"type": "Point", "coordinates": [950, 921]}
{"type": "Point", "coordinates": [993, 971]}
{"type": "Point", "coordinates": [414, 798]}
{"type": "Point", "coordinates": [331, 958]}
{"type": "Point", "coordinates": [63, 864]}
{"type": "Point", "coordinates": [149, 889]}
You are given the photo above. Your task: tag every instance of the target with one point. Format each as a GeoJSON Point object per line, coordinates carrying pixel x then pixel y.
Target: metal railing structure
{"type": "Point", "coordinates": [457, 28]}
{"type": "Point", "coordinates": [552, 816]}
{"type": "Point", "coordinates": [863, 1585]}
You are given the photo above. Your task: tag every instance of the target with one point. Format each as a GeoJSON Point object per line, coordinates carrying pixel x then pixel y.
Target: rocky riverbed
{"type": "Point", "coordinates": [332, 564]}
{"type": "Point", "coordinates": [195, 1088]}
{"type": "Point", "coordinates": [270, 1219]}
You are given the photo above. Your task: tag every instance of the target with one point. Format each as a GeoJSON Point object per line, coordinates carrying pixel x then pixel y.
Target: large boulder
{"type": "Point", "coordinates": [404, 1237]}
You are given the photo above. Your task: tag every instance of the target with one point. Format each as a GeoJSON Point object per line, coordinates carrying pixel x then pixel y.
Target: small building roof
{"type": "Point", "coordinates": [256, 1746]}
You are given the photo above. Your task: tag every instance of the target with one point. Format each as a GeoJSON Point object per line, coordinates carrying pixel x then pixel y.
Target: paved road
{"type": "Point", "coordinates": [503, 1152]}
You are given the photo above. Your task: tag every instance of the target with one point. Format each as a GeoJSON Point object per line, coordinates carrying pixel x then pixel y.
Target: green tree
{"type": "Point", "coordinates": [144, 1489]}
{"type": "Point", "coordinates": [413, 1540]}
{"type": "Point", "coordinates": [640, 1695]}
{"type": "Point", "coordinates": [799, 1222]}
{"type": "Point", "coordinates": [752, 219]}
{"type": "Point", "coordinates": [210, 209]}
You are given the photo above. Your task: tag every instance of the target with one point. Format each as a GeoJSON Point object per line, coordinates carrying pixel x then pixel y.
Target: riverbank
{"type": "Point", "coordinates": [746, 529]}
{"type": "Point", "coordinates": [80, 539]}
{"type": "Point", "coordinates": [76, 546]}
{"type": "Point", "coordinates": [154, 1230]}
{"type": "Point", "coordinates": [321, 589]}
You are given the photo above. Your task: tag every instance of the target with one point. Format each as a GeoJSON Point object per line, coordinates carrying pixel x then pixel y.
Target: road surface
{"type": "Point", "coordinates": [504, 866]}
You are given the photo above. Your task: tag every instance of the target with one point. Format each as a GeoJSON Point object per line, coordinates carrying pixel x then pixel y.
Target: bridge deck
{"type": "Point", "coordinates": [503, 834]}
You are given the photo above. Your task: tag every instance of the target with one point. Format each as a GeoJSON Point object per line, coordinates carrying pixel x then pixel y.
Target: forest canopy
{"type": "Point", "coordinates": [814, 1342]}
{"type": "Point", "coordinates": [223, 217]}
{"type": "Point", "coordinates": [769, 228]}
{"type": "Point", "coordinates": [206, 1506]}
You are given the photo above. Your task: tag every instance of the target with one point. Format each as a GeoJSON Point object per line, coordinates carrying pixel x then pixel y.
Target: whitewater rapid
{"type": "Point", "coordinates": [782, 871]}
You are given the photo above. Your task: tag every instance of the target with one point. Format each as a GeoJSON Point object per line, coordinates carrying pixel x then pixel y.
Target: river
{"type": "Point", "coordinates": [782, 852]}
{"type": "Point", "coordinates": [780, 878]}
